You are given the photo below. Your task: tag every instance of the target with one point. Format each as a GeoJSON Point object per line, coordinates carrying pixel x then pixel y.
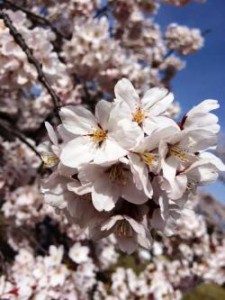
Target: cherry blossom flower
{"type": "Point", "coordinates": [147, 112]}
{"type": "Point", "coordinates": [103, 138]}
{"type": "Point", "coordinates": [129, 233]}
{"type": "Point", "coordinates": [108, 184]}
{"type": "Point", "coordinates": [78, 253]}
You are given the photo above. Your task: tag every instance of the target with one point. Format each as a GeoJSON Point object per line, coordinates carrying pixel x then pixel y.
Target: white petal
{"type": "Point", "coordinates": [79, 189]}
{"type": "Point", "coordinates": [104, 194]}
{"type": "Point", "coordinates": [102, 112]}
{"type": "Point", "coordinates": [151, 142]}
{"type": "Point", "coordinates": [140, 172]}
{"type": "Point", "coordinates": [202, 171]}
{"type": "Point", "coordinates": [109, 152]}
{"type": "Point", "coordinates": [204, 107]}
{"type": "Point", "coordinates": [127, 134]}
{"type": "Point", "coordinates": [51, 133]}
{"type": "Point", "coordinates": [169, 167]}
{"type": "Point", "coordinates": [120, 111]}
{"type": "Point", "coordinates": [157, 100]}
{"type": "Point", "coordinates": [76, 152]}
{"type": "Point", "coordinates": [151, 124]}
{"type": "Point", "coordinates": [55, 200]}
{"type": "Point", "coordinates": [124, 91]}
{"type": "Point", "coordinates": [178, 186]}
{"type": "Point", "coordinates": [214, 160]}
{"type": "Point", "coordinates": [77, 120]}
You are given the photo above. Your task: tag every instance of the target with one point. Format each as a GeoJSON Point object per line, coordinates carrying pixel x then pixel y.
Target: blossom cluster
{"type": "Point", "coordinates": [183, 39]}
{"type": "Point", "coordinates": [129, 168]}
{"type": "Point", "coordinates": [16, 72]}
{"type": "Point", "coordinates": [164, 272]}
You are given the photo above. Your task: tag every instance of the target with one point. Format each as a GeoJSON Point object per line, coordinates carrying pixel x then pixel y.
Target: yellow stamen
{"type": "Point", "coordinates": [98, 136]}
{"type": "Point", "coordinates": [179, 153]}
{"type": "Point", "coordinates": [148, 158]}
{"type": "Point", "coordinates": [117, 174]}
{"type": "Point", "coordinates": [123, 229]}
{"type": "Point", "coordinates": [138, 116]}
{"type": "Point", "coordinates": [49, 159]}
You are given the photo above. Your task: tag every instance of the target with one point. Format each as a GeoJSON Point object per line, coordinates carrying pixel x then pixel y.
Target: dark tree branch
{"type": "Point", "coordinates": [35, 17]}
{"type": "Point", "coordinates": [6, 129]}
{"type": "Point", "coordinates": [31, 59]}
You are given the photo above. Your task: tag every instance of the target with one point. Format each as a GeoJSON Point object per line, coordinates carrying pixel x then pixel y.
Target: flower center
{"type": "Point", "coordinates": [148, 158]}
{"type": "Point", "coordinates": [49, 159]}
{"type": "Point", "coordinates": [117, 174]}
{"type": "Point", "coordinates": [123, 229]}
{"type": "Point", "coordinates": [98, 135]}
{"type": "Point", "coordinates": [179, 153]}
{"type": "Point", "coordinates": [138, 116]}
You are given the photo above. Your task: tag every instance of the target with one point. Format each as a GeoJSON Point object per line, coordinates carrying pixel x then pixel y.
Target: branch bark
{"type": "Point", "coordinates": [31, 59]}
{"type": "Point", "coordinates": [7, 129]}
{"type": "Point", "coordinates": [35, 17]}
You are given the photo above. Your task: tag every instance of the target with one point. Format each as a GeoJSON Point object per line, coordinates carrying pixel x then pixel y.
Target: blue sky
{"type": "Point", "coordinates": [204, 75]}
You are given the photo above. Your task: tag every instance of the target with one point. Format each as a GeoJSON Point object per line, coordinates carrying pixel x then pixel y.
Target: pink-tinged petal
{"type": "Point", "coordinates": [137, 227]}
{"type": "Point", "coordinates": [110, 151]}
{"type": "Point", "coordinates": [157, 100]}
{"type": "Point", "coordinates": [136, 167]}
{"type": "Point", "coordinates": [145, 242]}
{"type": "Point", "coordinates": [109, 224]}
{"type": "Point", "coordinates": [102, 112]}
{"type": "Point", "coordinates": [178, 186]}
{"type": "Point", "coordinates": [157, 222]}
{"type": "Point", "coordinates": [79, 189]}
{"type": "Point", "coordinates": [124, 91]}
{"type": "Point", "coordinates": [128, 245]}
{"type": "Point", "coordinates": [132, 194]}
{"type": "Point", "coordinates": [140, 173]}
{"type": "Point", "coordinates": [51, 133]}
{"type": "Point", "coordinates": [77, 152]}
{"type": "Point", "coordinates": [89, 172]}
{"type": "Point", "coordinates": [77, 120]}
{"type": "Point", "coordinates": [104, 194]}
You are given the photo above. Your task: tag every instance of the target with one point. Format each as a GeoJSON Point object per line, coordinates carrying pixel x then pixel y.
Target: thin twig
{"type": "Point", "coordinates": [35, 17]}
{"type": "Point", "coordinates": [101, 11]}
{"type": "Point", "coordinates": [7, 128]}
{"type": "Point", "coordinates": [31, 59]}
